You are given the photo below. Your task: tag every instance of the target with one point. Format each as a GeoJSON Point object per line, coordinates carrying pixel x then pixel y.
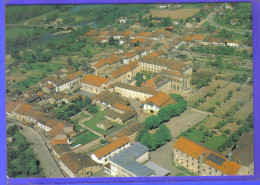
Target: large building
{"type": "Point", "coordinates": [127, 163]}
{"type": "Point", "coordinates": [125, 73]}
{"type": "Point", "coordinates": [102, 155]}
{"type": "Point", "coordinates": [203, 161]}
{"type": "Point", "coordinates": [94, 84]}
{"type": "Point", "coordinates": [134, 162]}
{"type": "Point", "coordinates": [179, 72]}
{"type": "Point", "coordinates": [130, 91]}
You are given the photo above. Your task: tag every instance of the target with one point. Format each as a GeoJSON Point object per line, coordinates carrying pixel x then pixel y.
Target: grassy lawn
{"type": "Point", "coordinates": [85, 138]}
{"type": "Point", "coordinates": [214, 142]}
{"type": "Point", "coordinates": [97, 118]}
{"type": "Point", "coordinates": [195, 135]}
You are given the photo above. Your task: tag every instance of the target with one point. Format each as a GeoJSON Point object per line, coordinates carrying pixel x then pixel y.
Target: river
{"type": "Point", "coordinates": [49, 36]}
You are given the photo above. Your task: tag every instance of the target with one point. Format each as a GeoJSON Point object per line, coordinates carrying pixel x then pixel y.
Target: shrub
{"type": "Point", "coordinates": [202, 128]}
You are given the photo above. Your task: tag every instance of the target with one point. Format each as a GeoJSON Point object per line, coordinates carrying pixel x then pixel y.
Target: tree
{"type": "Point", "coordinates": [87, 101]}
{"type": "Point", "coordinates": [147, 140]}
{"type": "Point", "coordinates": [164, 114]}
{"type": "Point", "coordinates": [140, 134]}
{"type": "Point", "coordinates": [11, 130]}
{"type": "Point", "coordinates": [167, 21]}
{"type": "Point", "coordinates": [151, 18]}
{"type": "Point", "coordinates": [23, 146]}
{"type": "Point", "coordinates": [152, 122]}
{"type": "Point", "coordinates": [92, 109]}
{"type": "Point", "coordinates": [139, 79]}
{"type": "Point", "coordinates": [111, 41]}
{"type": "Point", "coordinates": [164, 132]}
{"type": "Point", "coordinates": [69, 61]}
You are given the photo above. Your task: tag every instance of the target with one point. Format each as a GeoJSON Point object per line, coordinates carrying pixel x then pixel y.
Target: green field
{"type": "Point", "coordinates": [214, 142]}
{"type": "Point", "coordinates": [85, 138]}
{"type": "Point", "coordinates": [14, 32]}
{"type": "Point", "coordinates": [211, 142]}
{"type": "Point", "coordinates": [97, 118]}
{"type": "Point", "coordinates": [195, 135]}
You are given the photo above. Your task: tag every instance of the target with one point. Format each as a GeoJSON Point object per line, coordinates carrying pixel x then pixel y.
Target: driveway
{"type": "Point", "coordinates": [49, 166]}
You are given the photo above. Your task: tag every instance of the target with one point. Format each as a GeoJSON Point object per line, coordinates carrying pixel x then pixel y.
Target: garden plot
{"type": "Point", "coordinates": [243, 95]}
{"type": "Point", "coordinates": [211, 102]}
{"type": "Point", "coordinates": [209, 122]}
{"type": "Point", "coordinates": [232, 126]}
{"type": "Point", "coordinates": [213, 85]}
{"type": "Point", "coordinates": [245, 111]}
{"type": "Point", "coordinates": [230, 87]}
{"type": "Point", "coordinates": [224, 107]}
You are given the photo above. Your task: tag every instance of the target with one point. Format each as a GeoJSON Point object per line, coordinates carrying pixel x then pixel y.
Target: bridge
{"type": "Point", "coordinates": [65, 27]}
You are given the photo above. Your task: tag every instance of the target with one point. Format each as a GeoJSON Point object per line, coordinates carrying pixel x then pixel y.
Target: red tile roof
{"type": "Point", "coordinates": [24, 109]}
{"type": "Point", "coordinates": [94, 80]}
{"type": "Point", "coordinates": [100, 63]}
{"type": "Point", "coordinates": [74, 75]}
{"type": "Point", "coordinates": [122, 107]}
{"type": "Point", "coordinates": [59, 141]}
{"type": "Point", "coordinates": [124, 69]}
{"type": "Point", "coordinates": [140, 40]}
{"type": "Point", "coordinates": [111, 147]}
{"type": "Point", "coordinates": [130, 54]}
{"type": "Point", "coordinates": [40, 93]}
{"type": "Point", "coordinates": [160, 100]}
{"type": "Point", "coordinates": [10, 107]}
{"type": "Point", "coordinates": [195, 150]}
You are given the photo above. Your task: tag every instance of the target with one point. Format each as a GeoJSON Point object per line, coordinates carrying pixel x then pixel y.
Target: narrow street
{"type": "Point", "coordinates": [49, 166]}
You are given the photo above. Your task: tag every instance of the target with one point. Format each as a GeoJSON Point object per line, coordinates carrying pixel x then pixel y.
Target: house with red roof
{"type": "Point", "coordinates": [94, 84]}
{"type": "Point", "coordinates": [130, 57]}
{"type": "Point", "coordinates": [77, 165]}
{"type": "Point", "coordinates": [102, 155]}
{"type": "Point", "coordinates": [153, 104]}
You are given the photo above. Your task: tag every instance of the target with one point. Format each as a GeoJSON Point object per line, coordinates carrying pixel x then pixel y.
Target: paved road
{"type": "Point", "coordinates": [211, 21]}
{"type": "Point", "coordinates": [50, 168]}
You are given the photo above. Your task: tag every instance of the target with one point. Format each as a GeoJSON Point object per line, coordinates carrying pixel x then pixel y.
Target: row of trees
{"type": "Point", "coordinates": [219, 50]}
{"type": "Point", "coordinates": [165, 113]}
{"type": "Point", "coordinates": [21, 161]}
{"type": "Point", "coordinates": [154, 141]}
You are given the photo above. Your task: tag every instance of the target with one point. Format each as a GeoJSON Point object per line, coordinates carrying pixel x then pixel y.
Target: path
{"type": "Point", "coordinates": [48, 164]}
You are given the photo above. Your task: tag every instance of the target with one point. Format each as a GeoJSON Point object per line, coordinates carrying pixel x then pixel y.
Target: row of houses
{"type": "Point", "coordinates": [200, 39]}
{"type": "Point", "coordinates": [59, 131]}
{"type": "Point", "coordinates": [50, 85]}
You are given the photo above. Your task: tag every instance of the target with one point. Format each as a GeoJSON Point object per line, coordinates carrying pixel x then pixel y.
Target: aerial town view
{"type": "Point", "coordinates": [129, 90]}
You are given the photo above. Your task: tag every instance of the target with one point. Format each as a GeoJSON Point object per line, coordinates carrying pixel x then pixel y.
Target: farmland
{"type": "Point", "coordinates": [176, 14]}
